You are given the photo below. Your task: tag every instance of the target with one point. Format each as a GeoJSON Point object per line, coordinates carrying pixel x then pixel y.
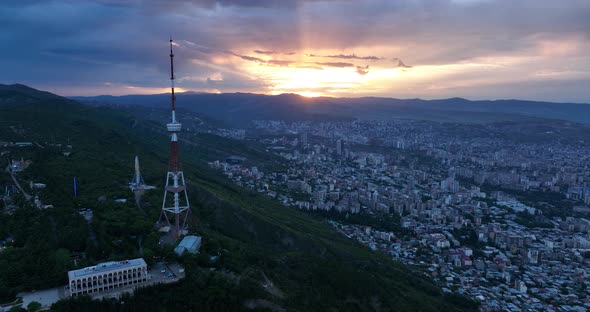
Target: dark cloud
{"type": "Point", "coordinates": [21, 3]}
{"type": "Point", "coordinates": [265, 52]}
{"type": "Point", "coordinates": [280, 62]}
{"type": "Point", "coordinates": [335, 64]}
{"type": "Point", "coordinates": [400, 63]}
{"type": "Point", "coordinates": [119, 3]}
{"type": "Point", "coordinates": [349, 57]}
{"type": "Point", "coordinates": [265, 4]}
{"type": "Point", "coordinates": [310, 67]}
{"type": "Point", "coordinates": [273, 52]}
{"type": "Point", "coordinates": [250, 58]}
{"type": "Point", "coordinates": [259, 60]}
{"type": "Point", "coordinates": [243, 3]}
{"type": "Point", "coordinates": [362, 70]}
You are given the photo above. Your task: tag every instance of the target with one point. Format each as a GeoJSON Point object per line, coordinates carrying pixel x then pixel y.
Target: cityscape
{"type": "Point", "coordinates": [485, 244]}
{"type": "Point", "coordinates": [300, 155]}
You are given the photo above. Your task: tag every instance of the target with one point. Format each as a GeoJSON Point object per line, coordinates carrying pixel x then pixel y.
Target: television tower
{"type": "Point", "coordinates": [176, 204]}
{"type": "Point", "coordinates": [137, 183]}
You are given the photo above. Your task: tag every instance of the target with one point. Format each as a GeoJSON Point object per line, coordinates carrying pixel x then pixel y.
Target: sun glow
{"type": "Point", "coordinates": [308, 82]}
{"type": "Point", "coordinates": [346, 74]}
{"type": "Point", "coordinates": [307, 93]}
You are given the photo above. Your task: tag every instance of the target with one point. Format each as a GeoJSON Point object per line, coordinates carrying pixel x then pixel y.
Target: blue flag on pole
{"type": "Point", "coordinates": [75, 188]}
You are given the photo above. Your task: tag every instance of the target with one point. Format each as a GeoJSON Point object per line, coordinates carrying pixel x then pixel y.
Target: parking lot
{"type": "Point", "coordinates": [166, 272]}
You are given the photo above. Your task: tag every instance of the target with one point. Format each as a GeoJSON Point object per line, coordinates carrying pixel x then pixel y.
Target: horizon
{"type": "Point", "coordinates": [310, 97]}
{"type": "Point", "coordinates": [533, 50]}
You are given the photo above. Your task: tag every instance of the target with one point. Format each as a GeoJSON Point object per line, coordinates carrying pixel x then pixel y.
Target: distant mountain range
{"type": "Point", "coordinates": [240, 108]}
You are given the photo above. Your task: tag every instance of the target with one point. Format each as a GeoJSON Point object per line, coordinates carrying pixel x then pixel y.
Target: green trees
{"type": "Point", "coordinates": [378, 221]}
{"type": "Point", "coordinates": [33, 306]}
{"type": "Point", "coordinates": [530, 221]}
{"type": "Point", "coordinates": [36, 260]}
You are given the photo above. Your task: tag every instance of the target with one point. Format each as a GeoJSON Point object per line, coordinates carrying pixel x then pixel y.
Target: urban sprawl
{"type": "Point", "coordinates": [495, 212]}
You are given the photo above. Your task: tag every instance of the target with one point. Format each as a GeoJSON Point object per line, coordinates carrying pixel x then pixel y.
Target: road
{"type": "Point", "coordinates": [27, 196]}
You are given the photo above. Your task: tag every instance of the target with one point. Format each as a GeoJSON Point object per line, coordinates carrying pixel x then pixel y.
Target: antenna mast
{"type": "Point", "coordinates": [177, 204]}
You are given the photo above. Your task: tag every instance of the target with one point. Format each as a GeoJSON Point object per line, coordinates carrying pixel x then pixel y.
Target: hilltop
{"type": "Point", "coordinates": [241, 108]}
{"type": "Point", "coordinates": [310, 266]}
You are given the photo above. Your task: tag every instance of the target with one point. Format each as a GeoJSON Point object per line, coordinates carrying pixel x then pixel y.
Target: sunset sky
{"type": "Point", "coordinates": [478, 49]}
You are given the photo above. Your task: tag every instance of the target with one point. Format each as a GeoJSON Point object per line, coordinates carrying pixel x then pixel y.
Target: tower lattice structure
{"type": "Point", "coordinates": [175, 205]}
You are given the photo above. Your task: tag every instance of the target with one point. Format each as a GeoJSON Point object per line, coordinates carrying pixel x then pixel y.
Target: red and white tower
{"type": "Point", "coordinates": [175, 204]}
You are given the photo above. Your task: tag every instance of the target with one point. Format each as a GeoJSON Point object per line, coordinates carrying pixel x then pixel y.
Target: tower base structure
{"type": "Point", "coordinates": [175, 206]}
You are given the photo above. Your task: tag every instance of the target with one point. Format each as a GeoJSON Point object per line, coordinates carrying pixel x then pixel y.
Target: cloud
{"type": "Point", "coordinates": [67, 43]}
{"type": "Point", "coordinates": [250, 58]}
{"type": "Point", "coordinates": [335, 64]}
{"type": "Point", "coordinates": [273, 52]}
{"type": "Point", "coordinates": [349, 56]}
{"type": "Point", "coordinates": [362, 70]}
{"type": "Point", "coordinates": [265, 52]}
{"type": "Point", "coordinates": [280, 62]}
{"type": "Point", "coordinates": [310, 67]}
{"type": "Point", "coordinates": [242, 3]}
{"type": "Point", "coordinates": [205, 49]}
{"type": "Point", "coordinates": [400, 63]}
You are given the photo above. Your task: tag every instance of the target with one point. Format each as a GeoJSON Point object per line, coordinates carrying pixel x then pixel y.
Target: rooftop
{"type": "Point", "coordinates": [189, 243]}
{"type": "Point", "coordinates": [106, 267]}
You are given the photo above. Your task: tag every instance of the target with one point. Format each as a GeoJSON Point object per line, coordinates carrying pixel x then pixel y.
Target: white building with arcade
{"type": "Point", "coordinates": [107, 276]}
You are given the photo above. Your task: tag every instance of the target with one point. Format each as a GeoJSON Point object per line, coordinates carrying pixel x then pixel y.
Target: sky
{"type": "Point", "coordinates": [476, 49]}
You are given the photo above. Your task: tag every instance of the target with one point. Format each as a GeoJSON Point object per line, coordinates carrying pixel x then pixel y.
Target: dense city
{"type": "Point", "coordinates": [497, 212]}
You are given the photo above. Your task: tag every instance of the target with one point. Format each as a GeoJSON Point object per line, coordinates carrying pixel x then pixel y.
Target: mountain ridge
{"type": "Point", "coordinates": [292, 107]}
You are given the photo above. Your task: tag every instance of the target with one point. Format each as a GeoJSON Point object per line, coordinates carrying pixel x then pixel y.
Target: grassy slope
{"type": "Point", "coordinates": [314, 267]}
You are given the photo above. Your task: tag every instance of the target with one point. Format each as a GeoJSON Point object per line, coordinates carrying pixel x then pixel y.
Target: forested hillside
{"type": "Point", "coordinates": [270, 256]}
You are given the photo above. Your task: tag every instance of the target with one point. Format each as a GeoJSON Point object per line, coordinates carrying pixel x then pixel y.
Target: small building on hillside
{"type": "Point", "coordinates": [189, 244]}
